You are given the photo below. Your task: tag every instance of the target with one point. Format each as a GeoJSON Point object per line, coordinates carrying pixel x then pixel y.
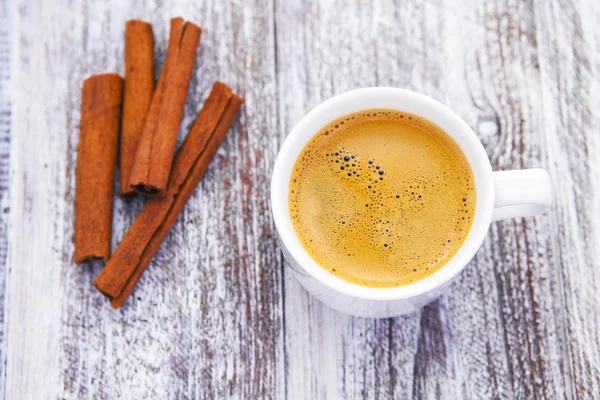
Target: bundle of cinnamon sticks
{"type": "Point", "coordinates": [147, 121]}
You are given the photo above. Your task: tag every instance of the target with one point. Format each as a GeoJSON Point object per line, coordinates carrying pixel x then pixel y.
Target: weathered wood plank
{"type": "Point", "coordinates": [500, 330]}
{"type": "Point", "coordinates": [32, 323]}
{"type": "Point", "coordinates": [206, 318]}
{"type": "Point", "coordinates": [520, 335]}
{"type": "Point", "coordinates": [569, 54]}
{"type": "Point", "coordinates": [326, 48]}
{"type": "Point", "coordinates": [4, 175]}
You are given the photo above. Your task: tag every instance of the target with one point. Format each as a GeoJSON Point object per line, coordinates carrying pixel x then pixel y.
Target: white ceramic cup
{"type": "Point", "coordinates": [499, 195]}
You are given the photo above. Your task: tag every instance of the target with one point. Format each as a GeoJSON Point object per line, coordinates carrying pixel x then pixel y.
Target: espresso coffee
{"type": "Point", "coordinates": [382, 198]}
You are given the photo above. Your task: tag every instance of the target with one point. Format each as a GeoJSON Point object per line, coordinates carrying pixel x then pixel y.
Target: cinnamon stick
{"type": "Point", "coordinates": [96, 165]}
{"type": "Point", "coordinates": [139, 87]}
{"type": "Point", "coordinates": [154, 155]}
{"type": "Point", "coordinates": [118, 279]}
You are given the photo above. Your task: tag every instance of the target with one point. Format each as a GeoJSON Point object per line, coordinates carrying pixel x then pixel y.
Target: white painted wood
{"type": "Point", "coordinates": [214, 316]}
{"type": "Point", "coordinates": [569, 49]}
{"type": "Point", "coordinates": [33, 276]}
{"type": "Point", "coordinates": [205, 320]}
{"type": "Point", "coordinates": [503, 329]}
{"type": "Point", "coordinates": [4, 174]}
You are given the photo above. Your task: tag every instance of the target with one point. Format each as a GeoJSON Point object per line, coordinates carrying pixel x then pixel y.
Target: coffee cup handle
{"type": "Point", "coordinates": [521, 193]}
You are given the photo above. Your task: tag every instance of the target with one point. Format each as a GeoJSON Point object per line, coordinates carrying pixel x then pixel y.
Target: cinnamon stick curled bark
{"type": "Point", "coordinates": [118, 279]}
{"type": "Point", "coordinates": [139, 87]}
{"type": "Point", "coordinates": [154, 154]}
{"type": "Point", "coordinates": [96, 165]}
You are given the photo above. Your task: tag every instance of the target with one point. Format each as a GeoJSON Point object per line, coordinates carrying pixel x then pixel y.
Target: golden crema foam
{"type": "Point", "coordinates": [382, 198]}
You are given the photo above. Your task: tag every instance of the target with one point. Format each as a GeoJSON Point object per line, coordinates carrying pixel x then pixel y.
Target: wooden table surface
{"type": "Point", "coordinates": [216, 316]}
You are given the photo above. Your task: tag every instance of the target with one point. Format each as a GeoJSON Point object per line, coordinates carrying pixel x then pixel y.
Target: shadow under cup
{"type": "Point", "coordinates": [360, 300]}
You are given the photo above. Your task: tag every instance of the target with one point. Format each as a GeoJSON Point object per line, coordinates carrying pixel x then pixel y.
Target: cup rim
{"type": "Point", "coordinates": [302, 133]}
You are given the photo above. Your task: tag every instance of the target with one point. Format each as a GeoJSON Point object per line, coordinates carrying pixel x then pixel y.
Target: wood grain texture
{"type": "Point", "coordinates": [206, 319]}
{"type": "Point", "coordinates": [569, 48]}
{"type": "Point", "coordinates": [502, 331]}
{"type": "Point", "coordinates": [4, 176]}
{"type": "Point", "coordinates": [215, 316]}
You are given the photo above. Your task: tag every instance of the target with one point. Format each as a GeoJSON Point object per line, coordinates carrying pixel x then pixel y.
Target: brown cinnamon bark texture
{"type": "Point", "coordinates": [96, 165]}
{"type": "Point", "coordinates": [154, 154]}
{"type": "Point", "coordinates": [139, 87]}
{"type": "Point", "coordinates": [118, 279]}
